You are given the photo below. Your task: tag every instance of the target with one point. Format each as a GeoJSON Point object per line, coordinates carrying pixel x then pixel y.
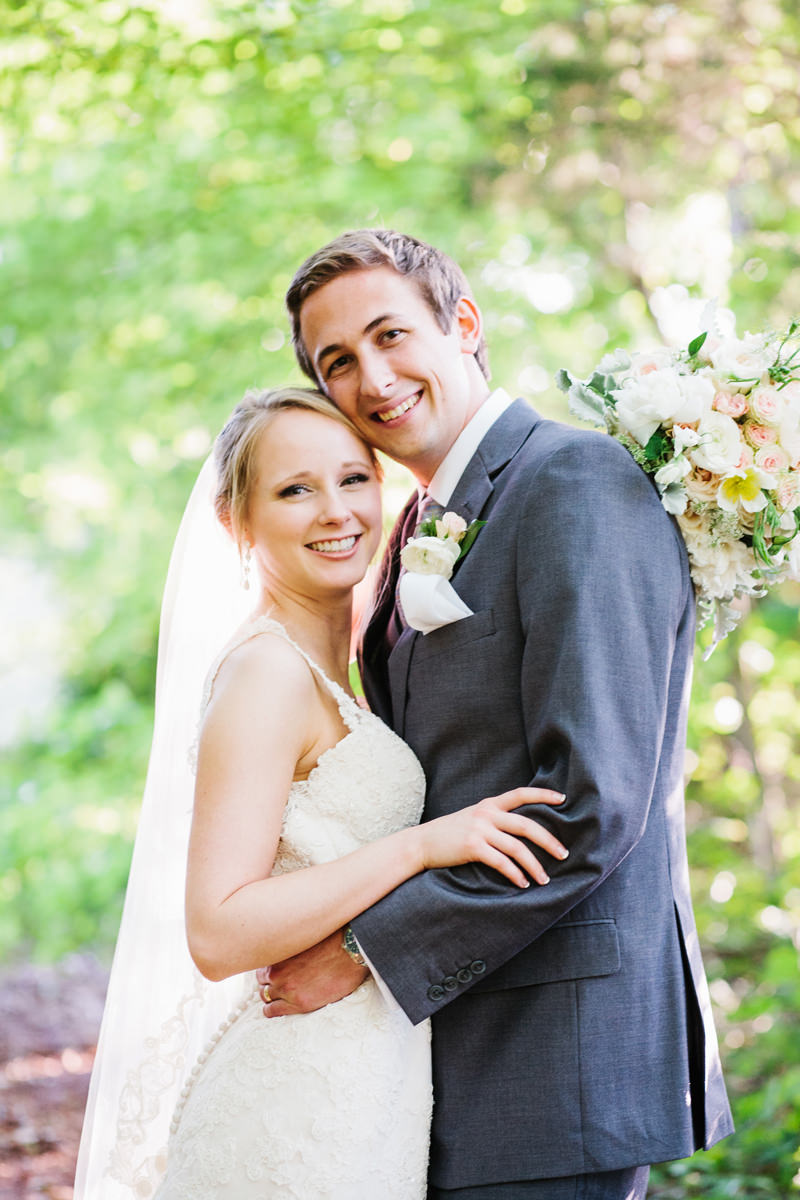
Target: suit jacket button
{"type": "Point", "coordinates": [477, 967]}
{"type": "Point", "coordinates": [435, 991]}
{"type": "Point", "coordinates": [450, 983]}
{"type": "Point", "coordinates": [464, 975]}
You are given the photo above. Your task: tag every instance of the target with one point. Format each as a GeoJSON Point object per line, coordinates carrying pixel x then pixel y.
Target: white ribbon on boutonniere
{"type": "Point", "coordinates": [427, 597]}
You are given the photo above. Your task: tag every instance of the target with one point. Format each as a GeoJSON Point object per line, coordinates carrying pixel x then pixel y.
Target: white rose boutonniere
{"type": "Point", "coordinates": [427, 598]}
{"type": "Point", "coordinates": [430, 555]}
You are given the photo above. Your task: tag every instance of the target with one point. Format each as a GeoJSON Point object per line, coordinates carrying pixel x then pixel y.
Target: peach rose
{"type": "Point", "coordinates": [787, 493]}
{"type": "Point", "coordinates": [766, 405]}
{"type": "Point", "coordinates": [702, 485]}
{"type": "Point", "coordinates": [732, 404]}
{"type": "Point", "coordinates": [758, 435]}
{"type": "Point", "coordinates": [772, 459]}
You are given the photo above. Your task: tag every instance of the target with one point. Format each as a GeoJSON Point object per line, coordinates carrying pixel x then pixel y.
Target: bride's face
{"type": "Point", "coordinates": [314, 514]}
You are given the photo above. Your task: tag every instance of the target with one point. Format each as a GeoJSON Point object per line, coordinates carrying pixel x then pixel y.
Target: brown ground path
{"type": "Point", "coordinates": [49, 1018]}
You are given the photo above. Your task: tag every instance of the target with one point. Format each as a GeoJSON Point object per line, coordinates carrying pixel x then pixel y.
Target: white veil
{"type": "Point", "coordinates": [159, 1011]}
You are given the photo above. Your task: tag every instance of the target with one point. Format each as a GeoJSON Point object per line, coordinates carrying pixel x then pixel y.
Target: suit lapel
{"type": "Point", "coordinates": [500, 445]}
{"type": "Point", "coordinates": [383, 627]}
{"type": "Point", "coordinates": [385, 663]}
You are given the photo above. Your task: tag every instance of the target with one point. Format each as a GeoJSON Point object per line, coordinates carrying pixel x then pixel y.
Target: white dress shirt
{"type": "Point", "coordinates": [454, 463]}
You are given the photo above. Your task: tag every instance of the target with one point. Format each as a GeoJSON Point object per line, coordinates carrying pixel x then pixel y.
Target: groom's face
{"type": "Point", "coordinates": [381, 356]}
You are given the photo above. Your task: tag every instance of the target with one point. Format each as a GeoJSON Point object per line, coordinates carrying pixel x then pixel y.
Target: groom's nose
{"type": "Point", "coordinates": [376, 374]}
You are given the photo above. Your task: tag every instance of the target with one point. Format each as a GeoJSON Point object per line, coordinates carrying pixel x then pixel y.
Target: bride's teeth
{"type": "Point", "coordinates": [331, 547]}
{"type": "Point", "coordinates": [396, 412]}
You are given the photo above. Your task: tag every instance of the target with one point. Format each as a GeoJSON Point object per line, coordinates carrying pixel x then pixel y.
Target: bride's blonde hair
{"type": "Point", "coordinates": [235, 447]}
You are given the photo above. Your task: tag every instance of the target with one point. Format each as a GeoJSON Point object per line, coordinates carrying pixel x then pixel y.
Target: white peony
{"type": "Point", "coordinates": [718, 570]}
{"type": "Point", "coordinates": [662, 396]}
{"type": "Point", "coordinates": [744, 359]}
{"type": "Point", "coordinates": [720, 446]}
{"type": "Point", "coordinates": [430, 555]}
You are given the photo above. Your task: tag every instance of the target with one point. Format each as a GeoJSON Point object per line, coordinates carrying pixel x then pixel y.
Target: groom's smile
{"type": "Point", "coordinates": [379, 352]}
{"type": "Point", "coordinates": [397, 410]}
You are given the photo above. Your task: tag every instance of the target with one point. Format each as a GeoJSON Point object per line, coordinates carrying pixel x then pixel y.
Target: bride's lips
{"type": "Point", "coordinates": [385, 415]}
{"type": "Point", "coordinates": [341, 547]}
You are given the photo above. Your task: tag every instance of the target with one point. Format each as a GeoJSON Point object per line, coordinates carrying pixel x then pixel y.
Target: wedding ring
{"type": "Point", "coordinates": [265, 996]}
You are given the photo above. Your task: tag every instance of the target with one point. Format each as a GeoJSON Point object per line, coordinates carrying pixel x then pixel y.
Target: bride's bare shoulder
{"type": "Point", "coordinates": [266, 669]}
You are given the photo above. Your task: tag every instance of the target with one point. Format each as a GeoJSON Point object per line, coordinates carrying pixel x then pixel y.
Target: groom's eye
{"type": "Point", "coordinates": [337, 365]}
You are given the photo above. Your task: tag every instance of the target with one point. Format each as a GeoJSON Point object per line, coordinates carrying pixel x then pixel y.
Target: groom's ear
{"type": "Point", "coordinates": [469, 324]}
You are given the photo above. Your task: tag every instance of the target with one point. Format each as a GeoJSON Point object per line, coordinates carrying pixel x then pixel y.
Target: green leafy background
{"type": "Point", "coordinates": [164, 166]}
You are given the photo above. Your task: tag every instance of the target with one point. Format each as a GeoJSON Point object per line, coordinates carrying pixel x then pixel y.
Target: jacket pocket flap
{"type": "Point", "coordinates": [576, 950]}
{"type": "Point", "coordinates": [457, 634]}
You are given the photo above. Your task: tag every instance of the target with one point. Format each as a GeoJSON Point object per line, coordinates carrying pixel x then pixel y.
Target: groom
{"type": "Point", "coordinates": [573, 1041]}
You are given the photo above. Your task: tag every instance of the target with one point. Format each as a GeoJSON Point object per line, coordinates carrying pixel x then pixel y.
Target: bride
{"type": "Point", "coordinates": [305, 813]}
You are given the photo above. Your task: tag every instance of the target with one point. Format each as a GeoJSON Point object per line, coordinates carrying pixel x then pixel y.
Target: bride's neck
{"type": "Point", "coordinates": [321, 627]}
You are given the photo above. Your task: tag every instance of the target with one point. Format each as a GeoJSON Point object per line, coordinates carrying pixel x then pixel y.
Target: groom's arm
{"type": "Point", "coordinates": [603, 591]}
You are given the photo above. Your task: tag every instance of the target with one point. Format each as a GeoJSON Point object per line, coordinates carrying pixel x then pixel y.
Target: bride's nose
{"type": "Point", "coordinates": [334, 508]}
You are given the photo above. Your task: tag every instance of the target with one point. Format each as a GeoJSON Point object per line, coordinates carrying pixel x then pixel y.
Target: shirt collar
{"type": "Point", "coordinates": [454, 463]}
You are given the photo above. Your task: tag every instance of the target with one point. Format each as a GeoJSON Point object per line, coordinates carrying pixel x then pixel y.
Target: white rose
{"type": "Point", "coordinates": [451, 525]}
{"type": "Point", "coordinates": [720, 447]}
{"type": "Point", "coordinates": [430, 556]}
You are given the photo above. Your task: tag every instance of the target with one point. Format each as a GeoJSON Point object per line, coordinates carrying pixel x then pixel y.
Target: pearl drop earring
{"type": "Point", "coordinates": [246, 567]}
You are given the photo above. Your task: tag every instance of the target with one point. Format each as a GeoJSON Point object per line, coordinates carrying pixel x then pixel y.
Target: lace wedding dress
{"type": "Point", "coordinates": [336, 1103]}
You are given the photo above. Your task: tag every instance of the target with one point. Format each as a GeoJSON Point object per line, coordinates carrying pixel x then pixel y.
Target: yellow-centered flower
{"type": "Point", "coordinates": [742, 490]}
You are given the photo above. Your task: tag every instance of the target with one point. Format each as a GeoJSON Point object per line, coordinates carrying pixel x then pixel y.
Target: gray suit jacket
{"type": "Point", "coordinates": [571, 1023]}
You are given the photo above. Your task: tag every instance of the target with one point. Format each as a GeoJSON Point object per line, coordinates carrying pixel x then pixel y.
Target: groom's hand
{"type": "Point", "coordinates": [310, 980]}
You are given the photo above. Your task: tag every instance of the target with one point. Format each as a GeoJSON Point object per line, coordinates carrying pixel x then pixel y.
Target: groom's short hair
{"type": "Point", "coordinates": [440, 280]}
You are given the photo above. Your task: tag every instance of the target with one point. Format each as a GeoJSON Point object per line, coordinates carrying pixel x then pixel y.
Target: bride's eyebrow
{"type": "Point", "coordinates": [293, 478]}
{"type": "Point", "coordinates": [300, 476]}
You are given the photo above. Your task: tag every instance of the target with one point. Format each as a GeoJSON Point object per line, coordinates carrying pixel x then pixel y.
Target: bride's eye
{"type": "Point", "coordinates": [356, 478]}
{"type": "Point", "coordinates": [292, 489]}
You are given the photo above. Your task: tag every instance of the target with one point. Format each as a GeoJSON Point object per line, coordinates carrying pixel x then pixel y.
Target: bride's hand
{"type": "Point", "coordinates": [490, 832]}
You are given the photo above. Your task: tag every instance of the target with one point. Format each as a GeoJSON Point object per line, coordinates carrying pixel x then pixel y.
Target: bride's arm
{"type": "Point", "coordinates": [256, 735]}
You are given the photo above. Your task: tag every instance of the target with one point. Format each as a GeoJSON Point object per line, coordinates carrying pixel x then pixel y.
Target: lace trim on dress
{"type": "Point", "coordinates": [164, 1061]}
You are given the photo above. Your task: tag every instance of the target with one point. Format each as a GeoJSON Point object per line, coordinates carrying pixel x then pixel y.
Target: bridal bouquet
{"type": "Point", "coordinates": [717, 425]}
